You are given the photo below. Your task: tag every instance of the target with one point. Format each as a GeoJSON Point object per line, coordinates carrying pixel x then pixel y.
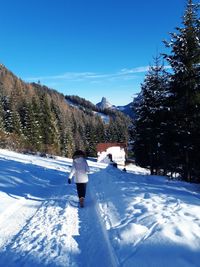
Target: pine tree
{"type": "Point", "coordinates": [100, 130]}
{"type": "Point", "coordinates": [47, 126]}
{"type": "Point", "coordinates": [17, 126]}
{"type": "Point", "coordinates": [1, 115]}
{"type": "Point", "coordinates": [7, 114]}
{"type": "Point", "coordinates": [68, 145]}
{"type": "Point", "coordinates": [150, 110]}
{"type": "Point", "coordinates": [31, 127]}
{"type": "Point", "coordinates": [185, 90]}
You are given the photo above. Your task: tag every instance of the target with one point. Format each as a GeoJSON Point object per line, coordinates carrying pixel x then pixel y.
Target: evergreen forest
{"type": "Point", "coordinates": [35, 118]}
{"type": "Point", "coordinates": [167, 125]}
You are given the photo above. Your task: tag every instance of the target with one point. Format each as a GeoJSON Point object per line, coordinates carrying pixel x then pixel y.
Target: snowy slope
{"type": "Point", "coordinates": [130, 218]}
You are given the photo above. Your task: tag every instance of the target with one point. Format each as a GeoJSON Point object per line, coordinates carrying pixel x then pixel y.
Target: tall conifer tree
{"type": "Point", "coordinates": [150, 110]}
{"type": "Point", "coordinates": [185, 90]}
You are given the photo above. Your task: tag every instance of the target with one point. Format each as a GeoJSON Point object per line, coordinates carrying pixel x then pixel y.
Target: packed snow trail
{"type": "Point", "coordinates": [130, 219]}
{"type": "Point", "coordinates": [58, 232]}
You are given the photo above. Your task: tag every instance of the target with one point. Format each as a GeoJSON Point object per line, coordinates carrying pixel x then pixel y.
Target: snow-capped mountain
{"type": "Point", "coordinates": [104, 104]}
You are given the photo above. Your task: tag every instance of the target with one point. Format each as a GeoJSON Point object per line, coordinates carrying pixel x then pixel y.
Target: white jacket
{"type": "Point", "coordinates": [80, 170]}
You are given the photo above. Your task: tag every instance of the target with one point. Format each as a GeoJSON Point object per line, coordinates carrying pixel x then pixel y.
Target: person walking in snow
{"type": "Point", "coordinates": [79, 171]}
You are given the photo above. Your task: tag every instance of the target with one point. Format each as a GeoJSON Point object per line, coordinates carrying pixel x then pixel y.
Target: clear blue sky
{"type": "Point", "coordinates": [90, 48]}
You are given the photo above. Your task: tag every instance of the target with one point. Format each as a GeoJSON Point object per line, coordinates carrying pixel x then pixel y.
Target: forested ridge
{"type": "Point", "coordinates": [38, 119]}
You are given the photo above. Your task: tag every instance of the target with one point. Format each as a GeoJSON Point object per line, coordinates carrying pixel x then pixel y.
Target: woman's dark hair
{"type": "Point", "coordinates": [78, 153]}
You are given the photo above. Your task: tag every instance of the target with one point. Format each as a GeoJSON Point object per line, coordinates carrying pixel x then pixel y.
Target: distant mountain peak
{"type": "Point", "coordinates": [104, 104]}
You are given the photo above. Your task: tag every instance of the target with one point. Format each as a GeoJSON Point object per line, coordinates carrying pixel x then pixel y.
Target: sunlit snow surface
{"type": "Point", "coordinates": [129, 219]}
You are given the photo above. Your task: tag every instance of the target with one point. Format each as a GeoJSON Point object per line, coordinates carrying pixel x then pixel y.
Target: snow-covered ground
{"type": "Point", "coordinates": [130, 218]}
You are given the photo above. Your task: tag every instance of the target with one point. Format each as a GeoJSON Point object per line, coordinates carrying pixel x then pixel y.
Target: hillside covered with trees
{"type": "Point", "coordinates": [38, 119]}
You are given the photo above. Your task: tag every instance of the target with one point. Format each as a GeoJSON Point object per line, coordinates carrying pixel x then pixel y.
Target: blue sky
{"type": "Point", "coordinates": [90, 48]}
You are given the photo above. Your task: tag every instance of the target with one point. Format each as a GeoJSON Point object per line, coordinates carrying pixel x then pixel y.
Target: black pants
{"type": "Point", "coordinates": [81, 189]}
